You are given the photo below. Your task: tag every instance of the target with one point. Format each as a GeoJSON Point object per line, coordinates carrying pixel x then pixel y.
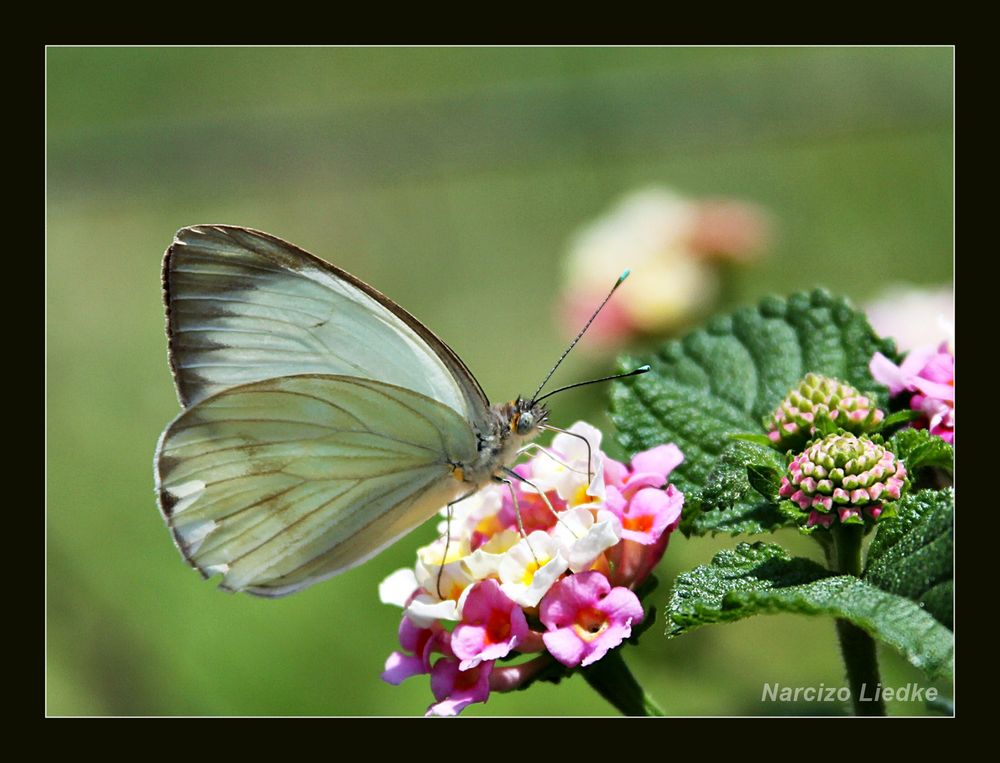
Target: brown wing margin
{"type": "Point", "coordinates": [289, 257]}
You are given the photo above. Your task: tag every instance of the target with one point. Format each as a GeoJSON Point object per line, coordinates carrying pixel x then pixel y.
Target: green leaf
{"type": "Point", "coordinates": [919, 449]}
{"type": "Point", "coordinates": [758, 439]}
{"type": "Point", "coordinates": [939, 601]}
{"type": "Point", "coordinates": [724, 379]}
{"type": "Point", "coordinates": [740, 493]}
{"type": "Point", "coordinates": [765, 480]}
{"type": "Point", "coordinates": [899, 417]}
{"type": "Point", "coordinates": [912, 553]}
{"type": "Point", "coordinates": [908, 512]}
{"type": "Point", "coordinates": [763, 579]}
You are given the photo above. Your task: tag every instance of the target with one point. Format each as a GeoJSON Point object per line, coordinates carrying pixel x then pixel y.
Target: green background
{"type": "Point", "coordinates": [452, 180]}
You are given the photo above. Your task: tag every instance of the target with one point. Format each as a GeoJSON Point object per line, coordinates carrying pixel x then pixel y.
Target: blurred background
{"type": "Point", "coordinates": [456, 181]}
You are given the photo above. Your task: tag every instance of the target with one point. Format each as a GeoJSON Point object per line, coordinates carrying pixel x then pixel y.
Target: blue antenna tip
{"type": "Point", "coordinates": [624, 275]}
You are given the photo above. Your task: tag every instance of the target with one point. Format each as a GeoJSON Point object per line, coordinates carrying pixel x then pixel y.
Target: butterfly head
{"type": "Point", "coordinates": [526, 417]}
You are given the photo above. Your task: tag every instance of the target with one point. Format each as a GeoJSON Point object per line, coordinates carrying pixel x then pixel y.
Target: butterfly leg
{"type": "Point", "coordinates": [447, 537]}
{"type": "Point", "coordinates": [540, 492]}
{"type": "Point", "coordinates": [590, 453]}
{"type": "Point", "coordinates": [517, 510]}
{"type": "Point", "coordinates": [542, 449]}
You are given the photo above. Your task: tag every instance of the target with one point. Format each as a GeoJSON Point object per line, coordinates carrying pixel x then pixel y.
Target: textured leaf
{"type": "Point", "coordinates": [939, 601]}
{"type": "Point", "coordinates": [908, 512]}
{"type": "Point", "coordinates": [903, 416]}
{"type": "Point", "coordinates": [725, 378]}
{"type": "Point", "coordinates": [739, 494]}
{"type": "Point", "coordinates": [912, 553]}
{"type": "Point", "coordinates": [763, 579]}
{"type": "Point", "coordinates": [919, 449]}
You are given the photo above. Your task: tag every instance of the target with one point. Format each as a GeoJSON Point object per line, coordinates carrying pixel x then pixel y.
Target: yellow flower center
{"type": "Point", "coordinates": [580, 496]}
{"type": "Point", "coordinates": [531, 568]}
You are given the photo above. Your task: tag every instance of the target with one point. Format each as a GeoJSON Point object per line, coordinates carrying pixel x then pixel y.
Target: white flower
{"type": "Point", "coordinates": [398, 587]}
{"type": "Point", "coordinates": [581, 539]}
{"type": "Point", "coordinates": [529, 569]}
{"type": "Point", "coordinates": [452, 579]}
{"type": "Point", "coordinates": [425, 609]}
{"type": "Point", "coordinates": [565, 467]}
{"type": "Point", "coordinates": [485, 561]}
{"type": "Point", "coordinates": [468, 514]}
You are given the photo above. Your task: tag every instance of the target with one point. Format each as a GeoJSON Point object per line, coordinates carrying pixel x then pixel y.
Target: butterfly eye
{"type": "Point", "coordinates": [525, 423]}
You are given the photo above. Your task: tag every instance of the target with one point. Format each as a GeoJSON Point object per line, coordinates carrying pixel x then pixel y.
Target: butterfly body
{"type": "Point", "coordinates": [321, 421]}
{"type": "Point", "coordinates": [512, 425]}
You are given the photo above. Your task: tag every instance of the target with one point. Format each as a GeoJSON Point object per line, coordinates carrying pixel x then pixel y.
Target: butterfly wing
{"type": "Point", "coordinates": [281, 483]}
{"type": "Point", "coordinates": [321, 418]}
{"type": "Point", "coordinates": [243, 306]}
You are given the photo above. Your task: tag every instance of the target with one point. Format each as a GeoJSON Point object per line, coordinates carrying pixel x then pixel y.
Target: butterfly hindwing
{"type": "Point", "coordinates": [280, 483]}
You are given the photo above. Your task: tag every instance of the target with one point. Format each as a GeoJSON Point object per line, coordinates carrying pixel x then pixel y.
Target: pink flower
{"type": "Point", "coordinates": [585, 618]}
{"type": "Point", "coordinates": [650, 468]}
{"type": "Point", "coordinates": [491, 626]}
{"type": "Point", "coordinates": [455, 689]}
{"type": "Point", "coordinates": [647, 514]}
{"type": "Point", "coordinates": [818, 518]}
{"type": "Point", "coordinates": [421, 643]}
{"type": "Point", "coordinates": [587, 529]}
{"type": "Point", "coordinates": [650, 513]}
{"type": "Point", "coordinates": [930, 375]}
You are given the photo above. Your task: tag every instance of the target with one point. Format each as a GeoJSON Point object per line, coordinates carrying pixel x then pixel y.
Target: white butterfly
{"type": "Point", "coordinates": [321, 420]}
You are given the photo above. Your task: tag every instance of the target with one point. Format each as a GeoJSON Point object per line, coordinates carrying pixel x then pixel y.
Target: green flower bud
{"type": "Point", "coordinates": [820, 404]}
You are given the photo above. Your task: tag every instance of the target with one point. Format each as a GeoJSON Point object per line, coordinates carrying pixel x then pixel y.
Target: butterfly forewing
{"type": "Point", "coordinates": [243, 306]}
{"type": "Point", "coordinates": [281, 483]}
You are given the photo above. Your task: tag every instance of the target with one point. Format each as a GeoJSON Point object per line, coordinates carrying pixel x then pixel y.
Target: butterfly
{"type": "Point", "coordinates": [321, 421]}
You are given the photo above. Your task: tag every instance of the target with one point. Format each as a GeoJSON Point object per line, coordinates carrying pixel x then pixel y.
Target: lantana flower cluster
{"type": "Point", "coordinates": [842, 473]}
{"type": "Point", "coordinates": [520, 579]}
{"type": "Point", "coordinates": [841, 476]}
{"type": "Point", "coordinates": [817, 403]}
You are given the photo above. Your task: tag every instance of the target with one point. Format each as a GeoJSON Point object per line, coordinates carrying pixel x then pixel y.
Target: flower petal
{"type": "Point", "coordinates": [399, 667]}
{"type": "Point", "coordinates": [662, 459]}
{"type": "Point", "coordinates": [398, 587]}
{"type": "Point", "coordinates": [564, 645]}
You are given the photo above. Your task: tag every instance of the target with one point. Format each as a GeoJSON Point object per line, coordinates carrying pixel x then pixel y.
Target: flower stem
{"type": "Point", "coordinates": [856, 646]}
{"type": "Point", "coordinates": [611, 678]}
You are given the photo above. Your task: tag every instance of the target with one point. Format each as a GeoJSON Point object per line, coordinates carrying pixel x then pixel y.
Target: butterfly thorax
{"type": "Point", "coordinates": [510, 426]}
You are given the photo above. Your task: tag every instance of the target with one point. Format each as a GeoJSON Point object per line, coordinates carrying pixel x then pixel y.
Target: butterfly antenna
{"type": "Point", "coordinates": [636, 372]}
{"type": "Point", "coordinates": [619, 282]}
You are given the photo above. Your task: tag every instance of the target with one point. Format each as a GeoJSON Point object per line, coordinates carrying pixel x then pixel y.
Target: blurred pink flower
{"type": "Point", "coordinates": [727, 229]}
{"type": "Point", "coordinates": [672, 245]}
